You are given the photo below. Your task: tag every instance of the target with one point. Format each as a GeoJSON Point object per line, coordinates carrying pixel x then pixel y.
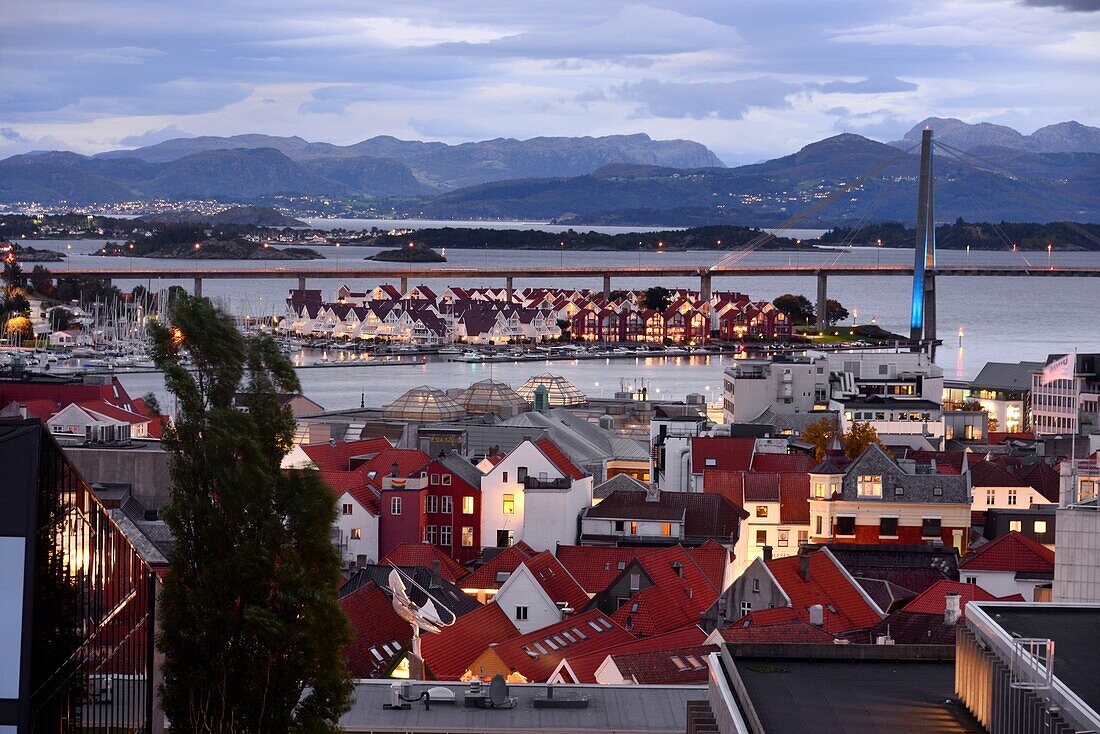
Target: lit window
{"type": "Point", "coordinates": [356, 534]}
{"type": "Point", "coordinates": [803, 537]}
{"type": "Point", "coordinates": [633, 528]}
{"type": "Point", "coordinates": [666, 528]}
{"type": "Point", "coordinates": [347, 509]}
{"type": "Point", "coordinates": [869, 485]}
{"type": "Point", "coordinates": [761, 510]}
{"type": "Point", "coordinates": [467, 536]}
{"type": "Point", "coordinates": [395, 505]}
{"type": "Point", "coordinates": [819, 490]}
{"type": "Point", "coordinates": [509, 504]}
{"type": "Point", "coordinates": [467, 505]}
{"type": "Point", "coordinates": [1040, 527]}
{"type": "Point", "coordinates": [1015, 526]}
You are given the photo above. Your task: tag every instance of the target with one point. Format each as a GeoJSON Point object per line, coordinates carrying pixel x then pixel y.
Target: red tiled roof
{"type": "Point", "coordinates": [113, 393]}
{"type": "Point", "coordinates": [763, 462]}
{"type": "Point", "coordinates": [727, 452]}
{"type": "Point", "coordinates": [409, 462]}
{"type": "Point", "coordinates": [105, 409]}
{"type": "Point", "coordinates": [506, 561]}
{"type": "Point", "coordinates": [674, 666]}
{"type": "Point", "coordinates": [39, 408]}
{"type": "Point", "coordinates": [590, 631]}
{"type": "Point", "coordinates": [988, 474]}
{"type": "Point", "coordinates": [157, 421]}
{"type": "Point", "coordinates": [674, 601]}
{"type": "Point", "coordinates": [595, 567]}
{"type": "Point", "coordinates": [947, 462]}
{"type": "Point", "coordinates": [781, 625]}
{"type": "Point", "coordinates": [909, 628]}
{"type": "Point", "coordinates": [338, 457]}
{"type": "Point", "coordinates": [556, 581]}
{"type": "Point", "coordinates": [449, 653]}
{"type": "Point", "coordinates": [558, 458]}
{"type": "Point", "coordinates": [933, 599]}
{"type": "Point", "coordinates": [1043, 478]}
{"type": "Point", "coordinates": [379, 633]}
{"type": "Point", "coordinates": [354, 484]}
{"type": "Point", "coordinates": [828, 586]}
{"type": "Point", "coordinates": [1011, 552]}
{"type": "Point", "coordinates": [706, 515]}
{"type": "Point", "coordinates": [584, 667]}
{"type": "Point", "coordinates": [794, 499]}
{"type": "Point", "coordinates": [422, 555]}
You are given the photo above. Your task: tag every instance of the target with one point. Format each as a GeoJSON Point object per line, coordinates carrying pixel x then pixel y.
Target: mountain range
{"type": "Point", "coordinates": [1052, 174]}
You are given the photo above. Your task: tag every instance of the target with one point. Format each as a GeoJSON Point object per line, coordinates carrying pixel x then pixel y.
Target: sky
{"type": "Point", "coordinates": [751, 80]}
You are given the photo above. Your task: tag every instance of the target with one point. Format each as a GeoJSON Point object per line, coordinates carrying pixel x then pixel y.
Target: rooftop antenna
{"type": "Point", "coordinates": [426, 617]}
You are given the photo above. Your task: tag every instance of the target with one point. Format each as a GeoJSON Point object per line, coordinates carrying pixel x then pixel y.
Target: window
{"type": "Point", "coordinates": [784, 537]}
{"type": "Point", "coordinates": [971, 580]}
{"type": "Point", "coordinates": [819, 525]}
{"type": "Point", "coordinates": [990, 497]}
{"type": "Point", "coordinates": [1015, 526]}
{"type": "Point", "coordinates": [710, 462]}
{"type": "Point", "coordinates": [635, 581]}
{"type": "Point", "coordinates": [756, 586]}
{"type": "Point", "coordinates": [888, 527]}
{"type": "Point", "coordinates": [431, 503]}
{"type": "Point", "coordinates": [819, 490]}
{"type": "Point", "coordinates": [445, 535]}
{"type": "Point", "coordinates": [435, 478]}
{"type": "Point", "coordinates": [395, 505]}
{"type": "Point", "coordinates": [930, 527]}
{"type": "Point", "coordinates": [761, 510]}
{"type": "Point", "coordinates": [429, 534]}
{"type": "Point", "coordinates": [803, 537]}
{"type": "Point", "coordinates": [467, 536]}
{"type": "Point", "coordinates": [509, 504]}
{"type": "Point", "coordinates": [346, 508]}
{"type": "Point", "coordinates": [521, 614]}
{"type": "Point", "coordinates": [845, 526]}
{"type": "Point", "coordinates": [356, 533]}
{"type": "Point", "coordinates": [899, 490]}
{"type": "Point", "coordinates": [746, 607]}
{"type": "Point", "coordinates": [633, 527]}
{"type": "Point", "coordinates": [448, 504]}
{"type": "Point", "coordinates": [521, 474]}
{"type": "Point", "coordinates": [937, 491]}
{"type": "Point", "coordinates": [869, 485]}
{"type": "Point", "coordinates": [446, 479]}
{"type": "Point", "coordinates": [467, 505]}
{"type": "Point", "coordinates": [666, 528]}
{"type": "Point", "coordinates": [761, 537]}
{"type": "Point", "coordinates": [504, 476]}
{"type": "Point", "coordinates": [620, 526]}
{"type": "Point", "coordinates": [1011, 495]}
{"type": "Point", "coordinates": [505, 538]}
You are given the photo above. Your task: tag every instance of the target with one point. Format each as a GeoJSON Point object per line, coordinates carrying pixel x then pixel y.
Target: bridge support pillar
{"type": "Point", "coordinates": [704, 298]}
{"type": "Point", "coordinates": [822, 302]}
{"type": "Point", "coordinates": [301, 282]}
{"type": "Point", "coordinates": [508, 288]}
{"type": "Point", "coordinates": [607, 287]}
{"type": "Point", "coordinates": [198, 287]}
{"type": "Point", "coordinates": [404, 284]}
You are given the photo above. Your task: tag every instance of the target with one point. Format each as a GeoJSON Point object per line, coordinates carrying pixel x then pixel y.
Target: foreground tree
{"type": "Point", "coordinates": [251, 629]}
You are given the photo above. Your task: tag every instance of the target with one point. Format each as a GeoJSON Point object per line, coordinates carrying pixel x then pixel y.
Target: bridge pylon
{"type": "Point", "coordinates": [922, 327]}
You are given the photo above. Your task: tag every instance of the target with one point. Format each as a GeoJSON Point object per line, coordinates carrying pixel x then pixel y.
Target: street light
{"type": "Point", "coordinates": [1050, 246]}
{"type": "Point", "coordinates": [878, 252]}
{"type": "Point", "coordinates": [561, 255]}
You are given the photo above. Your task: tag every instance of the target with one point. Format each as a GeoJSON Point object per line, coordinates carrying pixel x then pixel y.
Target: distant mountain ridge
{"type": "Point", "coordinates": [1062, 137]}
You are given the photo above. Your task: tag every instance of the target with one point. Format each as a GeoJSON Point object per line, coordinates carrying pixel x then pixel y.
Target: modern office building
{"type": "Point", "coordinates": [1067, 406]}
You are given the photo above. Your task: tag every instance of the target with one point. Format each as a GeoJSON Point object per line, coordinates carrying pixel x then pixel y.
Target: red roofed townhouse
{"type": "Point", "coordinates": [99, 419]}
{"type": "Point", "coordinates": [380, 636]}
{"type": "Point", "coordinates": [356, 526]}
{"type": "Point", "coordinates": [535, 656]}
{"type": "Point", "coordinates": [91, 388]}
{"type": "Point", "coordinates": [724, 453]}
{"type": "Point", "coordinates": [590, 668]}
{"type": "Point", "coordinates": [540, 592]}
{"type": "Point", "coordinates": [422, 555]}
{"type": "Point", "coordinates": [777, 506]}
{"type": "Point", "coordinates": [777, 626]}
{"type": "Point", "coordinates": [995, 487]}
{"type": "Point", "coordinates": [335, 455]}
{"type": "Point", "coordinates": [535, 480]}
{"type": "Point", "coordinates": [435, 501]}
{"type": "Point", "coordinates": [813, 584]}
{"type": "Point", "coordinates": [449, 652]}
{"type": "Point", "coordinates": [1011, 564]}
{"type": "Point", "coordinates": [629, 517]}
{"type": "Point", "coordinates": [486, 581]}
{"type": "Point", "coordinates": [682, 666]}
{"type": "Point", "coordinates": [877, 500]}
{"type": "Point", "coordinates": [935, 599]}
{"type": "Point", "coordinates": [596, 567]}
{"type": "Point", "coordinates": [658, 592]}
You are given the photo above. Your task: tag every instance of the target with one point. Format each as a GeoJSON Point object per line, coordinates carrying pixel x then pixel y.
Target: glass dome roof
{"type": "Point", "coordinates": [424, 403]}
{"type": "Point", "coordinates": [562, 392]}
{"type": "Point", "coordinates": [487, 396]}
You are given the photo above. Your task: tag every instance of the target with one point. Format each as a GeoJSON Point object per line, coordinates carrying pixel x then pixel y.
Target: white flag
{"type": "Point", "coordinates": [1059, 369]}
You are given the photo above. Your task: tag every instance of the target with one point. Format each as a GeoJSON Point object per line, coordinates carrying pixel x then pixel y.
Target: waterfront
{"type": "Point", "coordinates": [1003, 319]}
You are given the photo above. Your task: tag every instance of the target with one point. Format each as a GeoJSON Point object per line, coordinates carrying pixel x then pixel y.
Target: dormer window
{"type": "Point", "coordinates": [869, 485]}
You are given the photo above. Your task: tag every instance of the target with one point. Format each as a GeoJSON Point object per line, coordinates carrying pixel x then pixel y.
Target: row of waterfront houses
{"type": "Point", "coordinates": [422, 316]}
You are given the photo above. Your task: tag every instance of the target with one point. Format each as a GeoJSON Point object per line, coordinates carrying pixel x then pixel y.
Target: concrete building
{"type": "Point", "coordinates": [1003, 389]}
{"type": "Point", "coordinates": [1067, 406]}
{"type": "Point", "coordinates": [670, 435]}
{"type": "Point", "coordinates": [784, 385]}
{"type": "Point", "coordinates": [1077, 562]}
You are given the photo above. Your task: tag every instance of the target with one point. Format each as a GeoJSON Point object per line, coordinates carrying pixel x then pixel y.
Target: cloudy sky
{"type": "Point", "coordinates": [751, 80]}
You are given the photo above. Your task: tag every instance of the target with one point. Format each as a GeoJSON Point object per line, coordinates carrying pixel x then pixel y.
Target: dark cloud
{"type": "Point", "coordinates": [724, 100]}
{"type": "Point", "coordinates": [1077, 6]}
{"type": "Point", "coordinates": [877, 84]}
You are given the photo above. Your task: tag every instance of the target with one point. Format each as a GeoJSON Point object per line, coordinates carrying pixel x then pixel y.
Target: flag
{"type": "Point", "coordinates": [1059, 369]}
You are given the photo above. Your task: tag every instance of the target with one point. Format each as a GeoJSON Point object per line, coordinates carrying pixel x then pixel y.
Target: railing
{"type": "Point", "coordinates": [94, 602]}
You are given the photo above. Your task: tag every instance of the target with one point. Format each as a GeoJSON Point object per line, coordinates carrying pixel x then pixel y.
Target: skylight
{"type": "Point", "coordinates": [680, 664]}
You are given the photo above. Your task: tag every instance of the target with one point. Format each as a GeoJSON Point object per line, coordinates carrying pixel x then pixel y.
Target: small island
{"type": "Point", "coordinates": [236, 248]}
{"type": "Point", "coordinates": [411, 253]}
{"type": "Point", "coordinates": [31, 254]}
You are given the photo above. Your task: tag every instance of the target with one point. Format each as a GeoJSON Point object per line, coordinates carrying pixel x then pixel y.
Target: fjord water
{"type": "Point", "coordinates": [1003, 319]}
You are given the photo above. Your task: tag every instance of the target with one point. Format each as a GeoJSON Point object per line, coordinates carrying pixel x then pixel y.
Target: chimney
{"type": "Point", "coordinates": [767, 553]}
{"type": "Point", "coordinates": [817, 615]}
{"type": "Point", "coordinates": [952, 612]}
{"type": "Point", "coordinates": [437, 576]}
{"type": "Point", "coordinates": [332, 442]}
{"type": "Point", "coordinates": [393, 469]}
{"type": "Point", "coordinates": [804, 567]}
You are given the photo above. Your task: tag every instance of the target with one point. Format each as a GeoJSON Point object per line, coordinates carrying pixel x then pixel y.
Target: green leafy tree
{"type": "Point", "coordinates": [13, 273]}
{"type": "Point", "coordinates": [251, 630]}
{"type": "Point", "coordinates": [798, 308]}
{"type": "Point", "coordinates": [856, 439]}
{"type": "Point", "coordinates": [835, 312]}
{"type": "Point", "coordinates": [41, 280]}
{"type": "Point", "coordinates": [657, 298]}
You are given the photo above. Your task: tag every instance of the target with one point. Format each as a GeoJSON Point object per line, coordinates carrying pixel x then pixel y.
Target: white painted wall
{"type": "Point", "coordinates": [365, 521]}
{"type": "Point", "coordinates": [522, 590]}
{"type": "Point", "coordinates": [1001, 583]}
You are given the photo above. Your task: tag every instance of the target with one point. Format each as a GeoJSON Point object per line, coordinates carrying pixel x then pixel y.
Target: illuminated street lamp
{"type": "Point", "coordinates": [878, 252]}
{"type": "Point", "coordinates": [1050, 246]}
